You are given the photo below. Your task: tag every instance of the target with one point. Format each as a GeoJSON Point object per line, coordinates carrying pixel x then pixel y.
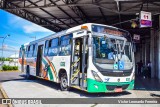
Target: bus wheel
{"type": "Point", "coordinates": [64, 82]}
{"type": "Point", "coordinates": [28, 73]}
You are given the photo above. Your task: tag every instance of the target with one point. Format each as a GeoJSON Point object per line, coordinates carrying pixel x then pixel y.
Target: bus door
{"type": "Point", "coordinates": [79, 62]}
{"type": "Point", "coordinates": [39, 61]}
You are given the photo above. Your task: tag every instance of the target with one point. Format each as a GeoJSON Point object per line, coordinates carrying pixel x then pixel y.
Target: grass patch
{"type": "Point", "coordinates": [9, 68]}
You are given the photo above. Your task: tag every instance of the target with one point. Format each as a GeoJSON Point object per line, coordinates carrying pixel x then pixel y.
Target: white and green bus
{"type": "Point", "coordinates": [91, 57]}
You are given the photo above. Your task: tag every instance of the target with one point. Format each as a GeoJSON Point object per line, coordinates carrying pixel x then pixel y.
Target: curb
{"type": "Point", "coordinates": [5, 95]}
{"type": "Point", "coordinates": [11, 71]}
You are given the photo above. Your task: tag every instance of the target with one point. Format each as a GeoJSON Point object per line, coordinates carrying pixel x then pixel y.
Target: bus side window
{"type": "Point", "coordinates": [30, 51]}
{"type": "Point", "coordinates": [65, 47]}
{"type": "Point", "coordinates": [53, 47]}
{"type": "Point", "coordinates": [46, 47]}
{"type": "Point", "coordinates": [26, 51]}
{"type": "Point", "coordinates": [35, 50]}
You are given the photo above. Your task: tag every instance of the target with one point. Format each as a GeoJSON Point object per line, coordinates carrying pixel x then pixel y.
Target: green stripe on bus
{"type": "Point", "coordinates": [50, 73]}
{"type": "Point", "coordinates": [54, 69]}
{"type": "Point", "coordinates": [53, 66]}
{"type": "Point", "coordinates": [49, 69]}
{"type": "Point", "coordinates": [94, 86]}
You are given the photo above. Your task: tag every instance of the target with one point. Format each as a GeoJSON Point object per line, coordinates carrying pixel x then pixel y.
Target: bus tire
{"type": "Point", "coordinates": [28, 76]}
{"type": "Point", "coordinates": [64, 82]}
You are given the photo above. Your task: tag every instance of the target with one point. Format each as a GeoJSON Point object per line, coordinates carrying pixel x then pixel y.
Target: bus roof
{"type": "Point", "coordinates": [65, 32]}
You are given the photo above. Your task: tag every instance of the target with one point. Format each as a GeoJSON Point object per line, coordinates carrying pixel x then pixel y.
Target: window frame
{"type": "Point", "coordinates": [46, 48]}
{"type": "Point", "coordinates": [53, 47]}
{"type": "Point", "coordinates": [62, 38]}
{"type": "Point", "coordinates": [48, 45]}
{"type": "Point", "coordinates": [35, 50]}
{"type": "Point", "coordinates": [29, 50]}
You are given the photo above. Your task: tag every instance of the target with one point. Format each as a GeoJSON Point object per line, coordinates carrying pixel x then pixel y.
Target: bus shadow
{"type": "Point", "coordinates": [17, 78]}
{"type": "Point", "coordinates": [43, 82]}
{"type": "Point", "coordinates": [111, 94]}
{"type": "Point", "coordinates": [155, 95]}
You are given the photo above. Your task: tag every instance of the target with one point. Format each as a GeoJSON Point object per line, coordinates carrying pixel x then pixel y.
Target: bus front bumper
{"type": "Point", "coordinates": [94, 86]}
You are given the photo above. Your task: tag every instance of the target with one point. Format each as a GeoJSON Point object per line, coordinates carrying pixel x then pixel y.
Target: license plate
{"type": "Point", "coordinates": [118, 90]}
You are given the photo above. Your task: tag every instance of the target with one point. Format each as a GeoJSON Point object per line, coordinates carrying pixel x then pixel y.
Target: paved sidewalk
{"type": "Point", "coordinates": [9, 76]}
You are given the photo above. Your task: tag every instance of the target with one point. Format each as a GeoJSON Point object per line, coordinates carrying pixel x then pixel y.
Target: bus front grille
{"type": "Point", "coordinates": [125, 86]}
{"type": "Point", "coordinates": [112, 87]}
{"type": "Point", "coordinates": [116, 74]}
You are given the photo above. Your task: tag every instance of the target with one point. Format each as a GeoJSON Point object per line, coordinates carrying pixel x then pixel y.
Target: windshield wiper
{"type": "Point", "coordinates": [120, 48]}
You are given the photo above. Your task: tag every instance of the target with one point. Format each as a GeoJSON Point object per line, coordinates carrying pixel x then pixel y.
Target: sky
{"type": "Point", "coordinates": [20, 30]}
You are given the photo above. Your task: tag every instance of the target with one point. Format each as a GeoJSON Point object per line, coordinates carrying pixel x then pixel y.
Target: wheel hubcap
{"type": "Point", "coordinates": [64, 82]}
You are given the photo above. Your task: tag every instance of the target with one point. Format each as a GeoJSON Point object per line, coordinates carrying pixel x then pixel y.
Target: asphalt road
{"type": "Point", "coordinates": [11, 76]}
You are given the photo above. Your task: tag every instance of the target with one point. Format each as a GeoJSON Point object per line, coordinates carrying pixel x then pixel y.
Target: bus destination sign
{"type": "Point", "coordinates": [110, 31]}
{"type": "Point", "coordinates": [113, 32]}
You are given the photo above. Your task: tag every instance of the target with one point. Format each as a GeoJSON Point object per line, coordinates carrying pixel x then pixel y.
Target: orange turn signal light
{"type": "Point", "coordinates": [84, 27]}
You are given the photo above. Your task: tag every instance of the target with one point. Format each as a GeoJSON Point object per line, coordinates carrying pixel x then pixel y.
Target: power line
{"type": "Point", "coordinates": [13, 41]}
{"type": "Point", "coordinates": [9, 50]}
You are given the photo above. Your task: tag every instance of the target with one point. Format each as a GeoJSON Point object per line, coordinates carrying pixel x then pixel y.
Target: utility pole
{"type": "Point", "coordinates": [2, 46]}
{"type": "Point", "coordinates": [3, 42]}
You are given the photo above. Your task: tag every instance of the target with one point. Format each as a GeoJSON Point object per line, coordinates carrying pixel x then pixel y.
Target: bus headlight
{"type": "Point", "coordinates": [96, 77]}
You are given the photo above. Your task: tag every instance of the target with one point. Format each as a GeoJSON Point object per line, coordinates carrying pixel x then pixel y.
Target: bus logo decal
{"type": "Point", "coordinates": [62, 63]}
{"type": "Point", "coordinates": [121, 65]}
{"type": "Point", "coordinates": [107, 79]}
{"type": "Point", "coordinates": [118, 79]}
{"type": "Point", "coordinates": [51, 71]}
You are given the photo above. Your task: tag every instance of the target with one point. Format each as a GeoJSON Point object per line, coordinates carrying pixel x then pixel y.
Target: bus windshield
{"type": "Point", "coordinates": [109, 51]}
